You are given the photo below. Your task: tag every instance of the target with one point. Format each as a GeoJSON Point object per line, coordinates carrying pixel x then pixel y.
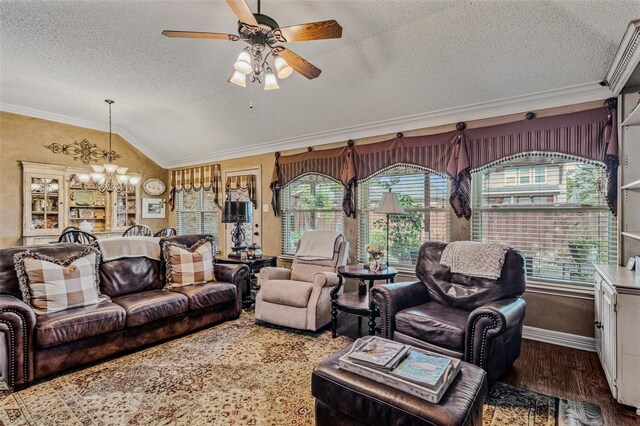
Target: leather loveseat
{"type": "Point", "coordinates": [140, 313]}
{"type": "Point", "coordinates": [478, 320]}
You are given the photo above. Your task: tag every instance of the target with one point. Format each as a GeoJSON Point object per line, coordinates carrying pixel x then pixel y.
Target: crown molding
{"type": "Point", "coordinates": [73, 121]}
{"type": "Point", "coordinates": [547, 99]}
{"type": "Point", "coordinates": [626, 59]}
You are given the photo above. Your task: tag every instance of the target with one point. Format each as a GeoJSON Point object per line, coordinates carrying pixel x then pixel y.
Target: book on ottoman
{"type": "Point", "coordinates": [378, 353]}
{"type": "Point", "coordinates": [420, 373]}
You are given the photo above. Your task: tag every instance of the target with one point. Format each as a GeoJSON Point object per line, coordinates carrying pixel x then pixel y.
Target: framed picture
{"type": "Point", "coordinates": [631, 263]}
{"type": "Point", "coordinates": [153, 208]}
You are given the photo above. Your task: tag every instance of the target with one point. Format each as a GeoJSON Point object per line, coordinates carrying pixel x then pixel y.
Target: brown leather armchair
{"type": "Point", "coordinates": [477, 320]}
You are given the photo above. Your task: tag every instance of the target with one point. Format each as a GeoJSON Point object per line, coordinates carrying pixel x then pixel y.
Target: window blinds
{"type": "Point", "coordinates": [551, 209]}
{"type": "Point", "coordinates": [197, 213]}
{"type": "Point", "coordinates": [311, 202]}
{"type": "Point", "coordinates": [424, 197]}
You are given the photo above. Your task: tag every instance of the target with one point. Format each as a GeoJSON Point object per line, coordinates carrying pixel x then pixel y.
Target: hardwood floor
{"type": "Point", "coordinates": [550, 369]}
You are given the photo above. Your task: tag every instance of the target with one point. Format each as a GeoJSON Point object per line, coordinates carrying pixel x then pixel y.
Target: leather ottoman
{"type": "Point", "coordinates": [345, 398]}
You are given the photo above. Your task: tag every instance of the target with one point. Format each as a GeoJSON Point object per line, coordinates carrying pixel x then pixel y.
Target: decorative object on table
{"type": "Point", "coordinates": [389, 204]}
{"type": "Point", "coordinates": [237, 212]}
{"type": "Point", "coordinates": [84, 151]}
{"type": "Point", "coordinates": [254, 251]}
{"type": "Point", "coordinates": [631, 263]}
{"type": "Point", "coordinates": [154, 187]}
{"type": "Point", "coordinates": [375, 254]}
{"type": "Point", "coordinates": [86, 226]}
{"type": "Point", "coordinates": [381, 354]}
{"type": "Point", "coordinates": [400, 382]}
{"type": "Point", "coordinates": [262, 33]}
{"type": "Point", "coordinates": [109, 177]}
{"type": "Point", "coordinates": [153, 208]}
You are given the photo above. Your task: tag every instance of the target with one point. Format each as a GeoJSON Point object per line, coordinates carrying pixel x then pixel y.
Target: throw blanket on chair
{"type": "Point", "coordinates": [117, 248]}
{"type": "Point", "coordinates": [317, 245]}
{"type": "Point", "coordinates": [483, 260]}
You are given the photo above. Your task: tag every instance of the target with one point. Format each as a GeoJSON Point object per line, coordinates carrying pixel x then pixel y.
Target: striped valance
{"type": "Point", "coordinates": [195, 178]}
{"type": "Point", "coordinates": [244, 182]}
{"type": "Point", "coordinates": [590, 135]}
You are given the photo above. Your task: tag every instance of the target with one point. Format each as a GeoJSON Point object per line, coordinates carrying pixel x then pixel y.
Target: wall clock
{"type": "Point", "coordinates": [154, 186]}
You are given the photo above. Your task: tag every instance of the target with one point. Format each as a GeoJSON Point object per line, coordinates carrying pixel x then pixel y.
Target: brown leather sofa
{"type": "Point", "coordinates": [140, 313]}
{"type": "Point", "coordinates": [477, 320]}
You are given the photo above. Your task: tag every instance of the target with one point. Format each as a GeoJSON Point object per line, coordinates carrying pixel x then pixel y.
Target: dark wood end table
{"type": "Point", "coordinates": [254, 266]}
{"type": "Point", "coordinates": [358, 303]}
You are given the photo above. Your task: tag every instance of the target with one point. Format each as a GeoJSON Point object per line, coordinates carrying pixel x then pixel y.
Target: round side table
{"type": "Point", "coordinates": [358, 303]}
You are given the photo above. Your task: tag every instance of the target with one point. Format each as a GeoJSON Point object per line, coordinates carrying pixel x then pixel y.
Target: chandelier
{"type": "Point", "coordinates": [110, 177]}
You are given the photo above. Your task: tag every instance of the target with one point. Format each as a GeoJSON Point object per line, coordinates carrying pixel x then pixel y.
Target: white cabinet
{"type": "Point", "coordinates": [617, 314]}
{"type": "Point", "coordinates": [54, 198]}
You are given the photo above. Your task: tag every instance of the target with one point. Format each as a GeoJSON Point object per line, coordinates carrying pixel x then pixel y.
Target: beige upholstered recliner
{"type": "Point", "coordinates": [300, 297]}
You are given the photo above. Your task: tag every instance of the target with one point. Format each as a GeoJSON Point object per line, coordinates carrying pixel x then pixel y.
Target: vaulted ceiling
{"type": "Point", "coordinates": [395, 59]}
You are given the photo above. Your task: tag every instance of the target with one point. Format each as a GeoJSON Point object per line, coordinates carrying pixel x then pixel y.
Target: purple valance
{"type": "Point", "coordinates": [590, 134]}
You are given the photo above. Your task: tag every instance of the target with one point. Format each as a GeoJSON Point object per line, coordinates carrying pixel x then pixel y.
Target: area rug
{"type": "Point", "coordinates": [236, 373]}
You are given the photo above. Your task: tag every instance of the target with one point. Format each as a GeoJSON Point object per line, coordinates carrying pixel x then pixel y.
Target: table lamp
{"type": "Point", "coordinates": [237, 212]}
{"type": "Point", "coordinates": [389, 204]}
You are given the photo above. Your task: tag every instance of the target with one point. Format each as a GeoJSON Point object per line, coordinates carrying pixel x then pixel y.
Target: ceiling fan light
{"type": "Point", "coordinates": [243, 63]}
{"type": "Point", "coordinates": [282, 68]}
{"type": "Point", "coordinates": [270, 82]}
{"type": "Point", "coordinates": [238, 78]}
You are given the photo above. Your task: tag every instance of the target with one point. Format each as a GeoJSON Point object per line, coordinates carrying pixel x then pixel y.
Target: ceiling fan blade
{"type": "Point", "coordinates": [312, 31]}
{"type": "Point", "coordinates": [299, 64]}
{"type": "Point", "coordinates": [242, 11]}
{"type": "Point", "coordinates": [195, 34]}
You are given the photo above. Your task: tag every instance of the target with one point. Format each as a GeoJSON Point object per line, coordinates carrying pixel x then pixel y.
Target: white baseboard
{"type": "Point", "coordinates": [559, 338]}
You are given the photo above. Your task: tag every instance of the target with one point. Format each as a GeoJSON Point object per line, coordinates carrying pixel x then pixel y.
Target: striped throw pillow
{"type": "Point", "coordinates": [189, 265]}
{"type": "Point", "coordinates": [51, 285]}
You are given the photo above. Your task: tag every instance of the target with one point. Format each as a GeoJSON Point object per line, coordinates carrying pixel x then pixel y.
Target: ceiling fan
{"type": "Point", "coordinates": [262, 33]}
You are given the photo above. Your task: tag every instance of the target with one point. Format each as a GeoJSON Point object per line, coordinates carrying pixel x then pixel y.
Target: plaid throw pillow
{"type": "Point", "coordinates": [189, 265]}
{"type": "Point", "coordinates": [51, 285]}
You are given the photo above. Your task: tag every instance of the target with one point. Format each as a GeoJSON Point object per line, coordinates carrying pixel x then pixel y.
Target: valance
{"type": "Point", "coordinates": [590, 134]}
{"type": "Point", "coordinates": [195, 178]}
{"type": "Point", "coordinates": [244, 182]}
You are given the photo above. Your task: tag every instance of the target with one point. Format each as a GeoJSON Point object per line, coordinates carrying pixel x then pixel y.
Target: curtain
{"type": "Point", "coordinates": [195, 178]}
{"type": "Point", "coordinates": [590, 135]}
{"type": "Point", "coordinates": [244, 182]}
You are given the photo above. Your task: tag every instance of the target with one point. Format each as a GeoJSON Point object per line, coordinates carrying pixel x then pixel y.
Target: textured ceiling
{"type": "Point", "coordinates": [395, 59]}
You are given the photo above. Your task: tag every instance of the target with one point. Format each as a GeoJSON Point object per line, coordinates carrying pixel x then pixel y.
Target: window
{"type": "Point", "coordinates": [560, 221]}
{"type": "Point", "coordinates": [197, 213]}
{"type": "Point", "coordinates": [311, 202]}
{"type": "Point", "coordinates": [425, 199]}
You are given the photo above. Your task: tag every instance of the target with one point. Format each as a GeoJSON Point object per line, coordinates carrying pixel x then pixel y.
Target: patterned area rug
{"type": "Point", "coordinates": [236, 373]}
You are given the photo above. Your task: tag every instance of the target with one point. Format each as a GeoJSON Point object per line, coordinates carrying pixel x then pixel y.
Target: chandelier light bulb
{"type": "Point", "coordinates": [122, 170]}
{"type": "Point", "coordinates": [270, 82]}
{"type": "Point", "coordinates": [282, 68]}
{"type": "Point", "coordinates": [133, 180]}
{"type": "Point", "coordinates": [238, 78]}
{"type": "Point", "coordinates": [97, 177]}
{"type": "Point", "coordinates": [110, 168]}
{"type": "Point", "coordinates": [123, 179]}
{"type": "Point", "coordinates": [84, 177]}
{"type": "Point", "coordinates": [97, 168]}
{"type": "Point", "coordinates": [243, 63]}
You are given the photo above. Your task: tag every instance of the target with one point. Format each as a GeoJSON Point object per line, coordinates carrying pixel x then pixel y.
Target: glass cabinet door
{"type": "Point", "coordinates": [44, 204]}
{"type": "Point", "coordinates": [125, 208]}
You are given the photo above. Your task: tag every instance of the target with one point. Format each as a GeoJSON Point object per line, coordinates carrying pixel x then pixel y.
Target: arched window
{"type": "Point", "coordinates": [553, 209]}
{"type": "Point", "coordinates": [425, 198]}
{"type": "Point", "coordinates": [311, 202]}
